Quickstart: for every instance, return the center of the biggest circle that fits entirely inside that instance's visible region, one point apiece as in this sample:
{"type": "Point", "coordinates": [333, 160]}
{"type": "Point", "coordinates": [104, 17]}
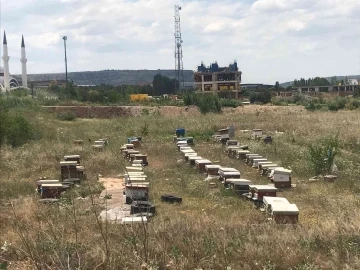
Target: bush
{"type": "Point", "coordinates": [322, 154]}
{"type": "Point", "coordinates": [260, 97]}
{"type": "Point", "coordinates": [66, 116]}
{"type": "Point", "coordinates": [230, 102]}
{"type": "Point", "coordinates": [205, 102]}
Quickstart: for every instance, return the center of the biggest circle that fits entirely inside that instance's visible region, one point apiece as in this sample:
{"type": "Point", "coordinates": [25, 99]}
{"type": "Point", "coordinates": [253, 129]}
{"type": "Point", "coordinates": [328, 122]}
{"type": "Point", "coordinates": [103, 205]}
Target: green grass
{"type": "Point", "coordinates": [212, 228]}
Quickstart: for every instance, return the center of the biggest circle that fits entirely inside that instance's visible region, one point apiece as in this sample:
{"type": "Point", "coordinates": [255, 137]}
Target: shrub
{"type": "Point", "coordinates": [19, 131]}
{"type": "Point", "coordinates": [66, 116]}
{"type": "Point", "coordinates": [230, 102]}
{"type": "Point", "coordinates": [322, 154]}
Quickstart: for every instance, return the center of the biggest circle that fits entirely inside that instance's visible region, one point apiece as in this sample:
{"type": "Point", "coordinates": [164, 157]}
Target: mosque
{"type": "Point", "coordinates": [7, 82]}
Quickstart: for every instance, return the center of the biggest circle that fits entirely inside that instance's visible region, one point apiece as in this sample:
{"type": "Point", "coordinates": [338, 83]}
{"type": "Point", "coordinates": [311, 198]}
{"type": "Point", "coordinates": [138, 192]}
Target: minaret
{"type": "Point", "coordinates": [23, 61]}
{"type": "Point", "coordinates": [6, 65]}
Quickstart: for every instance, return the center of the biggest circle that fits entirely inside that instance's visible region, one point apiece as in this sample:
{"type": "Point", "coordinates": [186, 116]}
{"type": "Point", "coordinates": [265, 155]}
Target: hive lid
{"type": "Point", "coordinates": [211, 166]}
{"type": "Point", "coordinates": [239, 182]}
{"type": "Point", "coordinates": [269, 165]}
{"type": "Point", "coordinates": [52, 185]}
{"type": "Point", "coordinates": [255, 157]}
{"type": "Point", "coordinates": [257, 129]}
{"type": "Point", "coordinates": [190, 154]}
{"type": "Point", "coordinates": [274, 200]}
{"type": "Point", "coordinates": [129, 145]}
{"type": "Point", "coordinates": [251, 154]}
{"type": "Point", "coordinates": [284, 209]}
{"type": "Point", "coordinates": [203, 161]}
{"type": "Point", "coordinates": [226, 169]}
{"type": "Point", "coordinates": [264, 162]}
{"type": "Point", "coordinates": [282, 171]}
{"type": "Point", "coordinates": [136, 186]}
{"type": "Point", "coordinates": [231, 173]}
{"type": "Point", "coordinates": [243, 151]}
{"type": "Point", "coordinates": [47, 181]}
{"type": "Point", "coordinates": [265, 188]}
{"type": "Point", "coordinates": [68, 163]}
{"type": "Point", "coordinates": [129, 220]}
{"type": "Point", "coordinates": [187, 151]}
{"type": "Point", "coordinates": [195, 158]}
{"type": "Point", "coordinates": [71, 156]}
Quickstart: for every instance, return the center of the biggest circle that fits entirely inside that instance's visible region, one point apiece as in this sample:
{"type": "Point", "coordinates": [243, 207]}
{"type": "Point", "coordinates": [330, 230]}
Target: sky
{"type": "Point", "coordinates": [272, 40]}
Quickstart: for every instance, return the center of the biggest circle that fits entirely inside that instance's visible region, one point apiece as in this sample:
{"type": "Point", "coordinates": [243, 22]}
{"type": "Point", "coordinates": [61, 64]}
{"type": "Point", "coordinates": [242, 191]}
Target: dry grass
{"type": "Point", "coordinates": [211, 229]}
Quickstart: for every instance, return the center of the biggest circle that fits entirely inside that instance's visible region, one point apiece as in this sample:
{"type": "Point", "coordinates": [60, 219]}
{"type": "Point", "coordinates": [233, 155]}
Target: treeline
{"type": "Point", "coordinates": [114, 94]}
{"type": "Point", "coordinates": [317, 81]}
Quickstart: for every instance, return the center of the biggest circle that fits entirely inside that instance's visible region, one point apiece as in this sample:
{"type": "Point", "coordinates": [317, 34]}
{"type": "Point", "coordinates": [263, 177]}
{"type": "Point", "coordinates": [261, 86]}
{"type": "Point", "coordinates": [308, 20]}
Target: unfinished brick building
{"type": "Point", "coordinates": [215, 79]}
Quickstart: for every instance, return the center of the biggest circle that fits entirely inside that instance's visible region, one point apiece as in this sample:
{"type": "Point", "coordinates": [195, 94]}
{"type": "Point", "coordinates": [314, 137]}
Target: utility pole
{"type": "Point", "coordinates": [66, 75]}
{"type": "Point", "coordinates": [179, 69]}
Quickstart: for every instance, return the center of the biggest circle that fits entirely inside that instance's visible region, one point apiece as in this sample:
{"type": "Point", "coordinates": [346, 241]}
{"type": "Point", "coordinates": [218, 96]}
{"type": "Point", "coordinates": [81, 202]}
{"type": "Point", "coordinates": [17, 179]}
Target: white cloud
{"type": "Point", "coordinates": [273, 40]}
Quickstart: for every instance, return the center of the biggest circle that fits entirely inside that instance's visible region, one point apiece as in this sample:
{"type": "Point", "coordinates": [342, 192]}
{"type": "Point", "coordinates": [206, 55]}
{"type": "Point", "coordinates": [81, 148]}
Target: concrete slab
{"type": "Point", "coordinates": [116, 207]}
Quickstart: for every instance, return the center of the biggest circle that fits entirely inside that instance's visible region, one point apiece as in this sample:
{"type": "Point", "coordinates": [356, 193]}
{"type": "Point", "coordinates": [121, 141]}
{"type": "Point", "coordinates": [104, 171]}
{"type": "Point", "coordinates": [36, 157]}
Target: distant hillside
{"type": "Point", "coordinates": [112, 77]}
{"type": "Point", "coordinates": [286, 84]}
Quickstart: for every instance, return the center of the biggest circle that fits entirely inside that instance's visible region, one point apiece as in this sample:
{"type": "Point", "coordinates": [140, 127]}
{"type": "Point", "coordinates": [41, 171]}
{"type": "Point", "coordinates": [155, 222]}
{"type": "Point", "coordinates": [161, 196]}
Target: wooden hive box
{"type": "Point", "coordinates": [143, 158]}
{"type": "Point", "coordinates": [181, 144]}
{"type": "Point", "coordinates": [223, 170]}
{"type": "Point", "coordinates": [260, 163]}
{"type": "Point", "coordinates": [187, 155]}
{"type": "Point", "coordinates": [98, 148]}
{"type": "Point", "coordinates": [250, 159]}
{"type": "Point", "coordinates": [200, 164]}
{"type": "Point", "coordinates": [239, 186]}
{"type": "Point", "coordinates": [282, 178]}
{"type": "Point", "coordinates": [52, 191]}
{"type": "Point", "coordinates": [248, 155]}
{"type": "Point", "coordinates": [212, 169]}
{"type": "Point", "coordinates": [72, 158]}
{"type": "Point", "coordinates": [256, 133]}
{"type": "Point", "coordinates": [251, 193]}
{"type": "Point", "coordinates": [285, 213]}
{"type": "Point", "coordinates": [241, 154]}
{"type": "Point", "coordinates": [263, 190]}
{"type": "Point", "coordinates": [41, 182]}
{"type": "Point", "coordinates": [184, 152]}
{"type": "Point", "coordinates": [193, 159]}
{"type": "Point", "coordinates": [129, 152]}
{"type": "Point", "coordinates": [269, 201]}
{"type": "Point", "coordinates": [78, 142]}
{"type": "Point", "coordinates": [232, 143]}
{"type": "Point", "coordinates": [98, 142]}
{"type": "Point", "coordinates": [271, 173]}
{"type": "Point", "coordinates": [255, 161]}
{"type": "Point", "coordinates": [185, 148]}
{"type": "Point", "coordinates": [231, 150]}
{"type": "Point", "coordinates": [264, 168]}
{"type": "Point", "coordinates": [229, 175]}
{"type": "Point", "coordinates": [134, 169]}
{"type": "Point", "coordinates": [68, 169]}
{"type": "Point", "coordinates": [129, 146]}
{"type": "Point", "coordinates": [136, 192]}
{"type": "Point", "coordinates": [80, 172]}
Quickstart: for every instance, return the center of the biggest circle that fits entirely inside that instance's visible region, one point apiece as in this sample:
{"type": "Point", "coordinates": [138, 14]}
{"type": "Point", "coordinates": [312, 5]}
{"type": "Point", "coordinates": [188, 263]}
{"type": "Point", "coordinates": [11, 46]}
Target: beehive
{"type": "Point", "coordinates": [187, 155]}
{"type": "Point", "coordinates": [282, 178]}
{"type": "Point", "coordinates": [129, 146]}
{"type": "Point", "coordinates": [129, 152]}
{"type": "Point", "coordinates": [41, 182]}
{"type": "Point", "coordinates": [98, 148]}
{"type": "Point", "coordinates": [80, 172]}
{"type": "Point", "coordinates": [239, 186]}
{"type": "Point", "coordinates": [99, 142]}
{"type": "Point", "coordinates": [259, 164]}
{"type": "Point", "coordinates": [143, 158]}
{"type": "Point", "coordinates": [180, 132]}
{"type": "Point", "coordinates": [72, 158]}
{"type": "Point", "coordinates": [263, 190]}
{"type": "Point", "coordinates": [136, 192]}
{"type": "Point", "coordinates": [250, 159]}
{"type": "Point", "coordinates": [255, 161]}
{"type": "Point", "coordinates": [192, 160]}
{"type": "Point", "coordinates": [68, 169]}
{"type": "Point", "coordinates": [285, 213]}
{"type": "Point", "coordinates": [200, 164]}
{"type": "Point", "coordinates": [264, 168]}
{"type": "Point", "coordinates": [134, 169]}
{"type": "Point", "coordinates": [52, 191]}
{"type": "Point", "coordinates": [256, 133]}
{"type": "Point", "coordinates": [78, 142]}
{"type": "Point", "coordinates": [241, 154]}
{"type": "Point", "coordinates": [232, 143]}
{"type": "Point", "coordinates": [269, 201]}
{"type": "Point", "coordinates": [212, 169]}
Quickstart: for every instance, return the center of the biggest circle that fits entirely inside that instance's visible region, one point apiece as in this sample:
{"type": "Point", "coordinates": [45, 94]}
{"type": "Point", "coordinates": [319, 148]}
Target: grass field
{"type": "Point", "coordinates": [212, 228]}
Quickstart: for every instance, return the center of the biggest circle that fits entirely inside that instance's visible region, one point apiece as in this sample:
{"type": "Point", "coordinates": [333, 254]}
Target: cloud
{"type": "Point", "coordinates": [272, 40]}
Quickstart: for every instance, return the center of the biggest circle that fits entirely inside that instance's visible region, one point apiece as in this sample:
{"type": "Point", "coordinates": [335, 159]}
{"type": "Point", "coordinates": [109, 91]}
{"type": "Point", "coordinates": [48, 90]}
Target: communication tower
{"type": "Point", "coordinates": [179, 69]}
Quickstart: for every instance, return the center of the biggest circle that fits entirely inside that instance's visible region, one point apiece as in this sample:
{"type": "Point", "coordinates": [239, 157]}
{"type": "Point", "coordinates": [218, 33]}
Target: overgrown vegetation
{"type": "Point", "coordinates": [206, 103]}
{"type": "Point", "coordinates": [262, 97]}
{"type": "Point", "coordinates": [15, 130]}
{"type": "Point", "coordinates": [66, 116]}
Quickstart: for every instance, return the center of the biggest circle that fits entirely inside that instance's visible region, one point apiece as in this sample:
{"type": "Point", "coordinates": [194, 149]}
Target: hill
{"type": "Point", "coordinates": [286, 84]}
{"type": "Point", "coordinates": [112, 77]}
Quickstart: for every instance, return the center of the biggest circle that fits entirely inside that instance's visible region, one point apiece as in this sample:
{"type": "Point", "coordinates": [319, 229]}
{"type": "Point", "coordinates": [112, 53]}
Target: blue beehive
{"type": "Point", "coordinates": [180, 132]}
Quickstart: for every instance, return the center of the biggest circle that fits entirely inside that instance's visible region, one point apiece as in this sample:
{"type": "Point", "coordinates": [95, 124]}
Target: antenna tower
{"type": "Point", "coordinates": [179, 69]}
